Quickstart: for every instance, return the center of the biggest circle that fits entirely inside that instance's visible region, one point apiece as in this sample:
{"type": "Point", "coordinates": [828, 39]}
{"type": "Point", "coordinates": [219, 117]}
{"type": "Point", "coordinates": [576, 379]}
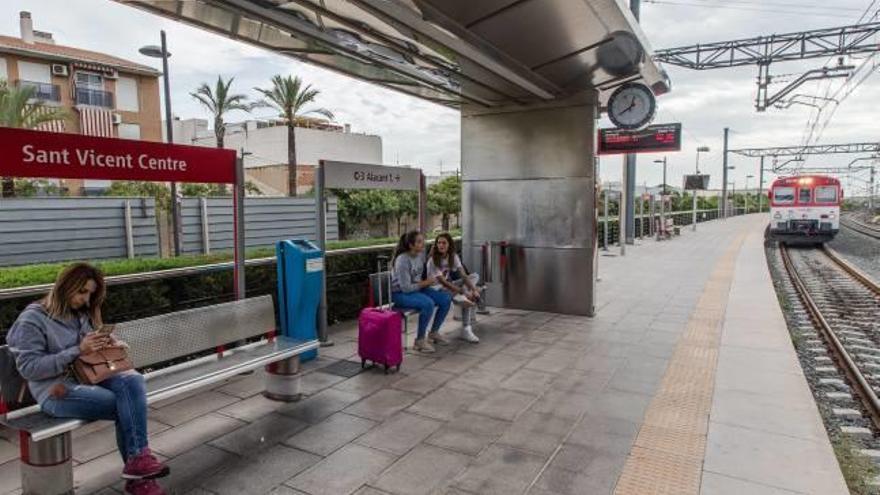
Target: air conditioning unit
{"type": "Point", "coordinates": [59, 70]}
{"type": "Point", "coordinates": [117, 119]}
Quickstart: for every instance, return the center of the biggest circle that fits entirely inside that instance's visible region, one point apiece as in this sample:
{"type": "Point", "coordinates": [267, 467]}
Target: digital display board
{"type": "Point", "coordinates": [696, 182]}
{"type": "Point", "coordinates": [652, 139]}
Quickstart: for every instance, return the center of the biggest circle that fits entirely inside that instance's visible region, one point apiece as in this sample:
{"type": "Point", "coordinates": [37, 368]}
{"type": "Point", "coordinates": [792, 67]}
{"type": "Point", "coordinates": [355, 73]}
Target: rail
{"type": "Point", "coordinates": [865, 391]}
{"type": "Point", "coordinates": [860, 227]}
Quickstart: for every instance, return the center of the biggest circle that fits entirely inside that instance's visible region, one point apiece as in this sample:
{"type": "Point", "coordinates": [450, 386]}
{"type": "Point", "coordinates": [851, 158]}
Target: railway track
{"type": "Point", "coordinates": [844, 306]}
{"type": "Point", "coordinates": [869, 230]}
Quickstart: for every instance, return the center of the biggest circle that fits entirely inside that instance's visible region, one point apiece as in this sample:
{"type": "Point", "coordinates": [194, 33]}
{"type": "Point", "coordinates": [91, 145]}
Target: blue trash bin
{"type": "Point", "coordinates": [300, 275]}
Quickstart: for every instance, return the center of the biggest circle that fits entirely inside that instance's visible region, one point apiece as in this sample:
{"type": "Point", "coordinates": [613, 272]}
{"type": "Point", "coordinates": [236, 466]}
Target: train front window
{"type": "Point", "coordinates": [826, 194]}
{"type": "Point", "coordinates": [783, 195]}
{"type": "Point", "coordinates": [804, 195]}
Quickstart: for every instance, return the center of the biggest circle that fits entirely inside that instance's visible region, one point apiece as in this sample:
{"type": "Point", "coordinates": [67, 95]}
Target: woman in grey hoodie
{"type": "Point", "coordinates": [45, 340]}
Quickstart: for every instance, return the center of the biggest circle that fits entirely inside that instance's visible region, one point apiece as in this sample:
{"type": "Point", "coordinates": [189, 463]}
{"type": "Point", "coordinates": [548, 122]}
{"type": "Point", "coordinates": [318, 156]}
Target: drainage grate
{"type": "Point", "coordinates": [343, 368]}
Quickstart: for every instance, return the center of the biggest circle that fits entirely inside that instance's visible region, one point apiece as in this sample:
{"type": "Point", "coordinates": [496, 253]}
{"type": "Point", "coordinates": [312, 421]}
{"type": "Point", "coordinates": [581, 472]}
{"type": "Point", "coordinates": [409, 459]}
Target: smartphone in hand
{"type": "Point", "coordinates": [105, 329]}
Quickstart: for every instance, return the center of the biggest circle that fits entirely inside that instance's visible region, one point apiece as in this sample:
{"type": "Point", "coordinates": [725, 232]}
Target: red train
{"type": "Point", "coordinates": [805, 209]}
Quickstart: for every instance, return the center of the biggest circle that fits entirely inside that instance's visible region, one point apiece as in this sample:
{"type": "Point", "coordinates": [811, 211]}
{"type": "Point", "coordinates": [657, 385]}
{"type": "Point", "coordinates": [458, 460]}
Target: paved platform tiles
{"type": "Point", "coordinates": [545, 404]}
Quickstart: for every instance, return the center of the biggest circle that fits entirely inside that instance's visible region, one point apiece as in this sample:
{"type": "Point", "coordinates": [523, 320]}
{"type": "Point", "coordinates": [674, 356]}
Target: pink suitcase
{"type": "Point", "coordinates": [379, 334]}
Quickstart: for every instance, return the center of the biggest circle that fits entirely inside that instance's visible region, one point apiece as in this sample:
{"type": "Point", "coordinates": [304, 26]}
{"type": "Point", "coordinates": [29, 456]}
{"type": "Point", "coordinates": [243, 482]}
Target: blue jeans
{"type": "Point", "coordinates": [424, 301]}
{"type": "Point", "coordinates": [121, 398]}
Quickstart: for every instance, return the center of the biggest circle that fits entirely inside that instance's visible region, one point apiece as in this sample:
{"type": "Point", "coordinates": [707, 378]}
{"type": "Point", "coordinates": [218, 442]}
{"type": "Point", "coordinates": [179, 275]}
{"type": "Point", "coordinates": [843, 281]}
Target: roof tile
{"type": "Point", "coordinates": [10, 43]}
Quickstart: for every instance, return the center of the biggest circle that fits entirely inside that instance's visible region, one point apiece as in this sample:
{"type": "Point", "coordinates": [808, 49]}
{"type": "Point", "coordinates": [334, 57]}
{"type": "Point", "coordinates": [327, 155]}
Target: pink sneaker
{"type": "Point", "coordinates": [143, 487]}
{"type": "Point", "coordinates": [144, 465]}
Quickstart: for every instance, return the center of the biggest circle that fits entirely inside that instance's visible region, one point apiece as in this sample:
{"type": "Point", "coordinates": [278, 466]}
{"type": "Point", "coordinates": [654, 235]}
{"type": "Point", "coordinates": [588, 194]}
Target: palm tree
{"type": "Point", "coordinates": [289, 97]}
{"type": "Point", "coordinates": [218, 101]}
{"type": "Point", "coordinates": [19, 108]}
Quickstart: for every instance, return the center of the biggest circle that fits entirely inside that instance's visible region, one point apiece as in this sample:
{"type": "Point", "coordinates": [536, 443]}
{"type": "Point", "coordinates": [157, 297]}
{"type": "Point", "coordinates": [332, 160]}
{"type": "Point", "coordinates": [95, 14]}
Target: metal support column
{"type": "Point", "coordinates": [630, 199]}
{"type": "Point", "coordinates": [238, 195]}
{"type": "Point", "coordinates": [605, 220]}
{"type": "Point", "coordinates": [761, 186]}
{"type": "Point", "coordinates": [627, 225]}
{"type": "Point", "coordinates": [872, 190]}
{"type": "Point", "coordinates": [622, 201]}
{"type": "Point", "coordinates": [321, 237]}
{"type": "Point", "coordinates": [724, 211]}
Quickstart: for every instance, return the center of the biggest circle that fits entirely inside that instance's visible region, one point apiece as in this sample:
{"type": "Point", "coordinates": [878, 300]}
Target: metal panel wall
{"type": "Point", "coordinates": [529, 181]}
{"type": "Point", "coordinates": [266, 221]}
{"type": "Point", "coordinates": [41, 230]}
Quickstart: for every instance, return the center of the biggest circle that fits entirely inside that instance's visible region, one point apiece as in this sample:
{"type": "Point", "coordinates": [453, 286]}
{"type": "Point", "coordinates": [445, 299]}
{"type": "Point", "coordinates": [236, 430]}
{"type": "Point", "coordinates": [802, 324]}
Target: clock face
{"type": "Point", "coordinates": [631, 106]}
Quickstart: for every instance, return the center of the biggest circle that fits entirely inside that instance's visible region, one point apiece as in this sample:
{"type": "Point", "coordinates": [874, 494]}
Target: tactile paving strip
{"type": "Point", "coordinates": [667, 457]}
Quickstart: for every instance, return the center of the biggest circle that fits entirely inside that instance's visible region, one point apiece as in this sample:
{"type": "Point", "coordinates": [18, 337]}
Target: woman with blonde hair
{"type": "Point", "coordinates": [46, 339]}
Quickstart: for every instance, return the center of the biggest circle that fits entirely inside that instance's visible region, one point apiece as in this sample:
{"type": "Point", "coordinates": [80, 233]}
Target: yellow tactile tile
{"type": "Point", "coordinates": [667, 457]}
{"type": "Point", "coordinates": [660, 473]}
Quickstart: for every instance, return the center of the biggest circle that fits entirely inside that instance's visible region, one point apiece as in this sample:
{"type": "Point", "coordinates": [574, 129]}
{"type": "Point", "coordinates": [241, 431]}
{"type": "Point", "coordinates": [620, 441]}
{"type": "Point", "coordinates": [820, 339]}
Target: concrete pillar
{"type": "Point", "coordinates": [529, 188]}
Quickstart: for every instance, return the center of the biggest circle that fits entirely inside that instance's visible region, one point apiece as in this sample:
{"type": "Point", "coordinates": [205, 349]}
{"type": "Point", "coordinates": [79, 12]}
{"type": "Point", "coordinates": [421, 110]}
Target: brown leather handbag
{"type": "Point", "coordinates": [94, 368]}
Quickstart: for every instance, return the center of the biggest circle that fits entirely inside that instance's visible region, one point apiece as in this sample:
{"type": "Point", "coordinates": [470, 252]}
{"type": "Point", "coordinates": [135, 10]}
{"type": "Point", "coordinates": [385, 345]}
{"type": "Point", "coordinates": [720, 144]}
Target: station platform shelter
{"type": "Point", "coordinates": [685, 382]}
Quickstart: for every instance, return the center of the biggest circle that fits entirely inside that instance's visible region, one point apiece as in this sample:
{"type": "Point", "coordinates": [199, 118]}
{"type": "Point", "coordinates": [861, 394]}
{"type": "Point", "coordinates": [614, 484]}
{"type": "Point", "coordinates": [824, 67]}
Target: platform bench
{"type": "Point", "coordinates": [46, 441]}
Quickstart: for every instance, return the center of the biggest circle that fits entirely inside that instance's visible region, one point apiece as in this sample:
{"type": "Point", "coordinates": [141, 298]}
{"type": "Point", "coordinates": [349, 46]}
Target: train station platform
{"type": "Point", "coordinates": [684, 383]}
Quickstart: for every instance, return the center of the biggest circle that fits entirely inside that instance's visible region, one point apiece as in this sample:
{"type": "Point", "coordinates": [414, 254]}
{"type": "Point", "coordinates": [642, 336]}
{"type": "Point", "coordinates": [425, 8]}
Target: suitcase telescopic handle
{"type": "Point", "coordinates": [379, 261]}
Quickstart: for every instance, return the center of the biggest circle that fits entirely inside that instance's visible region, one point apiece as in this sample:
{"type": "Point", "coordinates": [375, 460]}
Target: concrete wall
{"type": "Point", "coordinates": [41, 230]}
{"type": "Point", "coordinates": [269, 146]}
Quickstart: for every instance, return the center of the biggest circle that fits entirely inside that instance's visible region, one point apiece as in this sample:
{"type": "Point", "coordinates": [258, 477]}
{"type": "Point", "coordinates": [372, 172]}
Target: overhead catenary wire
{"type": "Point", "coordinates": [812, 130]}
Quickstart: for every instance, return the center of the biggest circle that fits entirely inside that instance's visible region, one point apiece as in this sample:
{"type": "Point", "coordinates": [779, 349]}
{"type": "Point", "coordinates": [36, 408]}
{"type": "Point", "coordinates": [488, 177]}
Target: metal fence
{"type": "Point", "coordinates": [206, 223]}
{"type": "Point", "coordinates": [41, 230]}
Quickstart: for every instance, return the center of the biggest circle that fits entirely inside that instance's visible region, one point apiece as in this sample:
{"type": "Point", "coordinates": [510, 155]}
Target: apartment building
{"type": "Point", "coordinates": [105, 96]}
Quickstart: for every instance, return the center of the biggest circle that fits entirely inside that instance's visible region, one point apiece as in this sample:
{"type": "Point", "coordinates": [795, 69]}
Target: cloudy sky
{"type": "Point", "coordinates": [424, 134]}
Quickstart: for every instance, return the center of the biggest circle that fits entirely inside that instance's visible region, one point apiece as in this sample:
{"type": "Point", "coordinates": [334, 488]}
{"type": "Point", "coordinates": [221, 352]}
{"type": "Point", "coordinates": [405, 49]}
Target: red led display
{"type": "Point", "coordinates": [652, 139]}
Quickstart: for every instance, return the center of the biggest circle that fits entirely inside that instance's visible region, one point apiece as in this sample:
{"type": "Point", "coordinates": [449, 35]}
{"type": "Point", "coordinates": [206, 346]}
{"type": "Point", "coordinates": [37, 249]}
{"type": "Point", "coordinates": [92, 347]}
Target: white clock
{"type": "Point", "coordinates": [632, 106]}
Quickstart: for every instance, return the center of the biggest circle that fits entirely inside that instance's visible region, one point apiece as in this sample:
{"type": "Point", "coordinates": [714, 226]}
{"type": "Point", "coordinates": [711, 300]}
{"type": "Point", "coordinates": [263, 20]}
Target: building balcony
{"type": "Point", "coordinates": [43, 91]}
{"type": "Point", "coordinates": [94, 97]}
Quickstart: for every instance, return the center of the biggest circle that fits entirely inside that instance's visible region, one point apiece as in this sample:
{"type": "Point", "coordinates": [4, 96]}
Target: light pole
{"type": "Point", "coordinates": [700, 149]}
{"type": "Point", "coordinates": [662, 200]}
{"type": "Point", "coordinates": [747, 192]}
{"type": "Point", "coordinates": [162, 52]}
{"type": "Point", "coordinates": [732, 194]}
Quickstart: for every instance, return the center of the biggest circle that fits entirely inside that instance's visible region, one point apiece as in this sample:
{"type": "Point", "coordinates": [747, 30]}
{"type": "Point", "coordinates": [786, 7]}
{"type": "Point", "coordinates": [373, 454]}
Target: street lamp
{"type": "Point", "coordinates": [747, 192]}
{"type": "Point", "coordinates": [162, 52]}
{"type": "Point", "coordinates": [700, 149]}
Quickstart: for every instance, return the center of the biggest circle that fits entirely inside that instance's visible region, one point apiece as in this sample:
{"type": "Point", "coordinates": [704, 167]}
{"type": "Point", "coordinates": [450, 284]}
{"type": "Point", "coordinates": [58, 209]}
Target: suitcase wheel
{"type": "Point", "coordinates": [398, 368]}
{"type": "Point", "coordinates": [386, 369]}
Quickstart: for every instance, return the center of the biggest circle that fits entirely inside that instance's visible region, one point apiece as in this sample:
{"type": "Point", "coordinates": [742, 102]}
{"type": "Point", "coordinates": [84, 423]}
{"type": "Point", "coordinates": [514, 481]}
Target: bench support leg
{"type": "Point", "coordinates": [47, 465]}
{"type": "Point", "coordinates": [282, 380]}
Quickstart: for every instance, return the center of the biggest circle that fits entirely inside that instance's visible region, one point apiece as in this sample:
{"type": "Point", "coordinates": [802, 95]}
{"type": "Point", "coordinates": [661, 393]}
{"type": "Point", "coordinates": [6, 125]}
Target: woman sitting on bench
{"type": "Point", "coordinates": [45, 340]}
{"type": "Point", "coordinates": [445, 266]}
{"type": "Point", "coordinates": [408, 290]}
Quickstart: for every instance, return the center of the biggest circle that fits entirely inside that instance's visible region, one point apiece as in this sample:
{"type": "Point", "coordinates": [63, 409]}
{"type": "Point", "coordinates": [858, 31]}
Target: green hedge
{"type": "Point", "coordinates": [22, 276]}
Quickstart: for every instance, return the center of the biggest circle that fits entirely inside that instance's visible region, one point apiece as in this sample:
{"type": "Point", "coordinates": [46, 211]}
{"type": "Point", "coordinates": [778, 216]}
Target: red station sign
{"type": "Point", "coordinates": [27, 153]}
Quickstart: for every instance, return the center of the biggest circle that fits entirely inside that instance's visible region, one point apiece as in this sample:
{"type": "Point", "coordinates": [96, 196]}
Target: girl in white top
{"type": "Point", "coordinates": [445, 267]}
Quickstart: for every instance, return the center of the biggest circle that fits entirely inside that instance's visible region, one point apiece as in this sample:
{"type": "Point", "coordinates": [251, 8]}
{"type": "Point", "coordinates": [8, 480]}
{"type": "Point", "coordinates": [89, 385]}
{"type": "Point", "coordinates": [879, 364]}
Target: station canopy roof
{"type": "Point", "coordinates": [452, 52]}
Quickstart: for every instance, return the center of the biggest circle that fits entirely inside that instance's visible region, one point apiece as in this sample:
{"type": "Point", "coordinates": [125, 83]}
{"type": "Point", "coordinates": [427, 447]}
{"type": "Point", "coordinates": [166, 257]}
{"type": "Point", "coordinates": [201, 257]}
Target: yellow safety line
{"type": "Point", "coordinates": [667, 457]}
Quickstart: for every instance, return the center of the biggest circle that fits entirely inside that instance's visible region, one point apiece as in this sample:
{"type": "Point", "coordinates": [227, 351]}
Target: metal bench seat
{"type": "Point", "coordinates": [46, 463]}
{"type": "Point", "coordinates": [173, 381]}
